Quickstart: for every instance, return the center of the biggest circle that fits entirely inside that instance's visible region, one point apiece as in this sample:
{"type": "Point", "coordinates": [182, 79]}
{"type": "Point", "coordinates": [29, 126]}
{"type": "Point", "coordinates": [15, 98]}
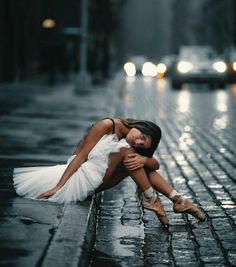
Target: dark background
{"type": "Point", "coordinates": [117, 30]}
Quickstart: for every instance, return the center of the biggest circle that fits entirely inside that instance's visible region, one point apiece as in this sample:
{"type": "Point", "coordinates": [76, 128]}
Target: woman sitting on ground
{"type": "Point", "coordinates": [111, 150]}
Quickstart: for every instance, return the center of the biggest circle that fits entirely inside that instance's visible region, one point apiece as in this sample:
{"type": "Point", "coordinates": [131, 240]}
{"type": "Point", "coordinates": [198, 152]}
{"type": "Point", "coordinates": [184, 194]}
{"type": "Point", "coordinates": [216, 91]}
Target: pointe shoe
{"type": "Point", "coordinates": [183, 205]}
{"type": "Point", "coordinates": [156, 206]}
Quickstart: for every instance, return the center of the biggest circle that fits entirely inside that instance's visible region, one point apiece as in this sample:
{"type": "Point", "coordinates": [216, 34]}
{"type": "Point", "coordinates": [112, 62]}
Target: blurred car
{"type": "Point", "coordinates": [139, 65]}
{"type": "Point", "coordinates": [198, 64]}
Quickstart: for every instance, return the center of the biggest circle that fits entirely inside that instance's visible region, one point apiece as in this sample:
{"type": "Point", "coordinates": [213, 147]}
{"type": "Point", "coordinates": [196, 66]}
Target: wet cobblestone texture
{"type": "Point", "coordinates": [40, 125]}
{"type": "Point", "coordinates": [197, 156]}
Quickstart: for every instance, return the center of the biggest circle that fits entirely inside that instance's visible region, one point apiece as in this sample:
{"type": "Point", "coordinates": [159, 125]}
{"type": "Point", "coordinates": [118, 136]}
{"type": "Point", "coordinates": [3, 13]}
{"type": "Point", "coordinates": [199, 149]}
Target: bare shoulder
{"type": "Point", "coordinates": [95, 133]}
{"type": "Point", "coordinates": [104, 126]}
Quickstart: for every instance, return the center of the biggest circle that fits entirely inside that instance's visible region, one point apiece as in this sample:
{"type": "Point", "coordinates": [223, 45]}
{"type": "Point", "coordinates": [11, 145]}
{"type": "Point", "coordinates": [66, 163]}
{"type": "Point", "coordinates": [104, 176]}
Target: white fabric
{"type": "Point", "coordinates": [30, 182]}
{"type": "Point", "coordinates": [149, 193]}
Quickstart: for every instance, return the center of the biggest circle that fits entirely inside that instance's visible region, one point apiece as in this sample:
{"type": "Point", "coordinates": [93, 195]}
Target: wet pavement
{"type": "Point", "coordinates": [197, 156]}
{"type": "Point", "coordinates": [41, 125]}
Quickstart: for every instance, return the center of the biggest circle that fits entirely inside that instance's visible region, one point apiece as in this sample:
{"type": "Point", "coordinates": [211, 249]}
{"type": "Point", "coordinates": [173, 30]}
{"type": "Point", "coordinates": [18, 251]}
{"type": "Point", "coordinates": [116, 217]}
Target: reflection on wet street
{"type": "Point", "coordinates": [43, 131]}
{"type": "Point", "coordinates": [197, 156]}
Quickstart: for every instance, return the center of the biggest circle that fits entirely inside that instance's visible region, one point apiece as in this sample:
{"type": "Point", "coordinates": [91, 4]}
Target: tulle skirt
{"type": "Point", "coordinates": [30, 182]}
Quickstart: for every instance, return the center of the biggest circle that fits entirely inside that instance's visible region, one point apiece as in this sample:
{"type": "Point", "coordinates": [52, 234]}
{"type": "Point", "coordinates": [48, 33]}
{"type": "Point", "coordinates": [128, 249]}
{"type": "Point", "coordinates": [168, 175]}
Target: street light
{"type": "Point", "coordinates": [49, 24]}
{"type": "Point", "coordinates": [83, 80]}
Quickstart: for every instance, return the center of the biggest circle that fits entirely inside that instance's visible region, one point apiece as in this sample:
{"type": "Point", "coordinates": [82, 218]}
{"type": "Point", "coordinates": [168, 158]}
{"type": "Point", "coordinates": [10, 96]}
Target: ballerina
{"type": "Point", "coordinates": [111, 150]}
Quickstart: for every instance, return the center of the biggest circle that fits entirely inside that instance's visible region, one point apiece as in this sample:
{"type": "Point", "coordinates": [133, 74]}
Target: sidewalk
{"type": "Point", "coordinates": [41, 125]}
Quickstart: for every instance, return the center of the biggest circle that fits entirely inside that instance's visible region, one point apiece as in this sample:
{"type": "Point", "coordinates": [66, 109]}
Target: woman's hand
{"type": "Point", "coordinates": [135, 161]}
{"type": "Point", "coordinates": [49, 193]}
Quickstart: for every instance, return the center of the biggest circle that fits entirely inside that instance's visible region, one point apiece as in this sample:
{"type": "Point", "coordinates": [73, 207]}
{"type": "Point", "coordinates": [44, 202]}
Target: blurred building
{"type": "Point", "coordinates": [145, 28]}
{"type": "Point", "coordinates": [43, 37]}
{"type": "Point", "coordinates": [219, 18]}
{"type": "Point", "coordinates": [103, 46]}
{"type": "Point", "coordinates": [158, 27]}
{"type": "Point", "coordinates": [19, 31]}
{"type": "Point", "coordinates": [205, 22]}
{"type": "Point", "coordinates": [186, 23]}
{"type": "Point", "coordinates": [30, 38]}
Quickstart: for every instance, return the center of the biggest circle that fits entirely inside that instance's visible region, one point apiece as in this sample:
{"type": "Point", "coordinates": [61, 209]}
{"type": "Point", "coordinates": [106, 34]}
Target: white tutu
{"type": "Point", "coordinates": [30, 182]}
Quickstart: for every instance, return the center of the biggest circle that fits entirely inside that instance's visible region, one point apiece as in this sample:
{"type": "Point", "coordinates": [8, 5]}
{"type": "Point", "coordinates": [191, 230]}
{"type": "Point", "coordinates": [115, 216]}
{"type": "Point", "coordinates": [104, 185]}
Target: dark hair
{"type": "Point", "coordinates": [148, 128]}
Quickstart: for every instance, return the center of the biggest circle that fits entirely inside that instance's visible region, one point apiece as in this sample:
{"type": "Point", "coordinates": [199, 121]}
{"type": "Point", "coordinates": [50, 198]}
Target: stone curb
{"type": "Point", "coordinates": [73, 241]}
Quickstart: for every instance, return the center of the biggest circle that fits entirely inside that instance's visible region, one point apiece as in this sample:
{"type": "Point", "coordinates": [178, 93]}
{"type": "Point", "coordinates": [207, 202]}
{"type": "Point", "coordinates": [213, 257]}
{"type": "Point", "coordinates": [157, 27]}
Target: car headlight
{"type": "Point", "coordinates": [184, 66]}
{"type": "Point", "coordinates": [149, 69]}
{"type": "Point", "coordinates": [234, 66]}
{"type": "Point", "coordinates": [220, 66]}
{"type": "Point", "coordinates": [161, 68]}
{"type": "Point", "coordinates": [130, 69]}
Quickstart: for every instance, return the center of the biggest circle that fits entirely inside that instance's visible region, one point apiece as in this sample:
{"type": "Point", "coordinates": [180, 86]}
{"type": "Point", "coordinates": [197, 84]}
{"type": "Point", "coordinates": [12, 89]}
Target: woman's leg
{"type": "Point", "coordinates": [116, 178]}
{"type": "Point", "coordinates": [160, 184]}
{"type": "Point", "coordinates": [139, 176]}
{"type": "Point", "coordinates": [181, 204]}
{"type": "Point", "coordinates": [115, 172]}
{"type": "Point", "coordinates": [111, 178]}
{"type": "Point", "coordinates": [151, 201]}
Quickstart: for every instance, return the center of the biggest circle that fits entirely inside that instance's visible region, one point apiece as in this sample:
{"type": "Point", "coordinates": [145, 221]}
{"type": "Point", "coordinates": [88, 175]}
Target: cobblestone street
{"type": "Point", "coordinates": [138, 95]}
{"type": "Point", "coordinates": [197, 156]}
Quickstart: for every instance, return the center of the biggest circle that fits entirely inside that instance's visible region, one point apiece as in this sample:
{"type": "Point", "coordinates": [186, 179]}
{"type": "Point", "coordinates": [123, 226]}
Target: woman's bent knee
{"type": "Point", "coordinates": [126, 152]}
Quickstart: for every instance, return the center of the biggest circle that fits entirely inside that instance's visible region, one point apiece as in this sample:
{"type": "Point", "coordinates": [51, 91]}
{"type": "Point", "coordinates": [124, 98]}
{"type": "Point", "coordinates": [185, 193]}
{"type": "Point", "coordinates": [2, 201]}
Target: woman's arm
{"type": "Point", "coordinates": [136, 161]}
{"type": "Point", "coordinates": [95, 134]}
